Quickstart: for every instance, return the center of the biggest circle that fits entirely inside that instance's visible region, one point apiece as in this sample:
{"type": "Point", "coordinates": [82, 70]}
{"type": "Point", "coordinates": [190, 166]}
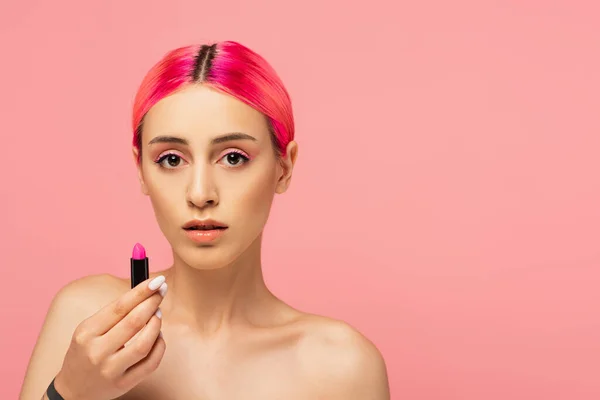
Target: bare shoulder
{"type": "Point", "coordinates": [86, 295]}
{"type": "Point", "coordinates": [344, 363]}
{"type": "Point", "coordinates": [72, 304]}
{"type": "Point", "coordinates": [81, 298]}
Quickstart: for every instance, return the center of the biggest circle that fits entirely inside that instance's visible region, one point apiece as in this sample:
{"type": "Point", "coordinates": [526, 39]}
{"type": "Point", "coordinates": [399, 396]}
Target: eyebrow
{"type": "Point", "coordinates": [219, 139]}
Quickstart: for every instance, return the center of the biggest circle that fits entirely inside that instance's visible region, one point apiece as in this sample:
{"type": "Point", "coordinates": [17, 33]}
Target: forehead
{"type": "Point", "coordinates": [200, 110]}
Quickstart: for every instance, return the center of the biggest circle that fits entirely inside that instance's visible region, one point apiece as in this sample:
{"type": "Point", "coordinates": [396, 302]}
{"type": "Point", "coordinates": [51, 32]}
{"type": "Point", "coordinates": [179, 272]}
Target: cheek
{"type": "Point", "coordinates": [163, 196]}
{"type": "Point", "coordinates": [253, 199]}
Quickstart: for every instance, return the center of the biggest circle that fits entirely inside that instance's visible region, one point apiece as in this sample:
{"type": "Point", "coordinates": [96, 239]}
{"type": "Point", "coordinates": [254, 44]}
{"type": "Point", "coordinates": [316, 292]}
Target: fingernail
{"type": "Point", "coordinates": [156, 282]}
{"type": "Point", "coordinates": [163, 289]}
{"type": "Point", "coordinates": [158, 313]}
{"type": "Point", "coordinates": [160, 334]}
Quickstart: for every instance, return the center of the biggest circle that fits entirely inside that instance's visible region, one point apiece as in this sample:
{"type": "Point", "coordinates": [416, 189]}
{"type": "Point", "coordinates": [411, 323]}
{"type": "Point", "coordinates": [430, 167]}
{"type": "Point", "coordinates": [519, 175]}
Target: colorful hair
{"type": "Point", "coordinates": [225, 66]}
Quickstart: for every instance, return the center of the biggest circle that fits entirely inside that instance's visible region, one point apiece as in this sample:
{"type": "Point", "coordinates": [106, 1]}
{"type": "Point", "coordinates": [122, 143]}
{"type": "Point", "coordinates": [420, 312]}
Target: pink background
{"type": "Point", "coordinates": [445, 202]}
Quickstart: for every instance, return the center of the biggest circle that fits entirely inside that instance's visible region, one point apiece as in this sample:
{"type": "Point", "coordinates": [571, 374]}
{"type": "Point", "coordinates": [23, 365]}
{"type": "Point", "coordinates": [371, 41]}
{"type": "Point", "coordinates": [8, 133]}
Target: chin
{"type": "Point", "coordinates": [204, 257]}
{"type": "Point", "coordinates": [216, 254]}
{"type": "Point", "coordinates": [208, 257]}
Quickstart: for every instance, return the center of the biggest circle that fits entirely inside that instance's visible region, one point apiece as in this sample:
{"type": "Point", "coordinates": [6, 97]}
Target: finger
{"type": "Point", "coordinates": [109, 316]}
{"type": "Point", "coordinates": [138, 348]}
{"type": "Point", "coordinates": [142, 369]}
{"type": "Point", "coordinates": [137, 362]}
{"type": "Point", "coordinates": [133, 324]}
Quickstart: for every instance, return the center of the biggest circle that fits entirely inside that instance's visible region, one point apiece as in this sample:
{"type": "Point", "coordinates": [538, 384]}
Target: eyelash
{"type": "Point", "coordinates": [245, 158]}
{"type": "Point", "coordinates": [163, 157]}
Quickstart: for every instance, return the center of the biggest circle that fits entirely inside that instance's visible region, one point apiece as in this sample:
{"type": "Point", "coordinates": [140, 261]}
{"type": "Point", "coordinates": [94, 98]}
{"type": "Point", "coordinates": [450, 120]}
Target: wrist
{"type": "Point", "coordinates": [61, 386]}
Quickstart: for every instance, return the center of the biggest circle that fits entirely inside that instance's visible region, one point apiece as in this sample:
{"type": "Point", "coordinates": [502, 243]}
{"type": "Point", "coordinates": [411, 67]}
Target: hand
{"type": "Point", "coordinates": [116, 348]}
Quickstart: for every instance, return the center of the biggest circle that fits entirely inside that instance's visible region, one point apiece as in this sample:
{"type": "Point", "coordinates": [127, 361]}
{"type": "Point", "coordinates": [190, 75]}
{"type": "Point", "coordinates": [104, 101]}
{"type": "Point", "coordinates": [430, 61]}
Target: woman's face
{"type": "Point", "coordinates": [207, 155]}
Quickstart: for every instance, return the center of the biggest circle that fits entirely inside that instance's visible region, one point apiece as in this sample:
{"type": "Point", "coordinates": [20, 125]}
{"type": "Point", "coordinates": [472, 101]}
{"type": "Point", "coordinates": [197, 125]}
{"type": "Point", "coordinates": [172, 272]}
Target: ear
{"type": "Point", "coordinates": [287, 166]}
{"type": "Point", "coordinates": [138, 164]}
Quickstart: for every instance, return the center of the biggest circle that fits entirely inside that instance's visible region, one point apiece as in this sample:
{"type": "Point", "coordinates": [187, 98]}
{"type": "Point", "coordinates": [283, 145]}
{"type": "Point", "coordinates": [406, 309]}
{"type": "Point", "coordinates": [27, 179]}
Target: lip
{"type": "Point", "coordinates": [203, 222]}
{"type": "Point", "coordinates": [204, 235]}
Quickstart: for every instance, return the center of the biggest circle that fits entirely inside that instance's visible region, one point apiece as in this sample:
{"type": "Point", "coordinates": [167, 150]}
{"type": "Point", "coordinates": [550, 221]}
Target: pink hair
{"type": "Point", "coordinates": [225, 66]}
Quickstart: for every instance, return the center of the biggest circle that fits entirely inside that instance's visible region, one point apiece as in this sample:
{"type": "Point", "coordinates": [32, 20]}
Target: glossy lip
{"type": "Point", "coordinates": [203, 222]}
{"type": "Point", "coordinates": [204, 236]}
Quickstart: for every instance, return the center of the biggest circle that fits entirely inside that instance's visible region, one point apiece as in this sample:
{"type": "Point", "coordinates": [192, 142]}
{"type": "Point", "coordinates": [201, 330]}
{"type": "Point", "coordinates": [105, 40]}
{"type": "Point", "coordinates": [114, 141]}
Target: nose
{"type": "Point", "coordinates": [202, 191]}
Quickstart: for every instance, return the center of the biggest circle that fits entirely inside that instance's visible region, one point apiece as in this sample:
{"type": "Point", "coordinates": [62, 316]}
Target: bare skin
{"type": "Point", "coordinates": [225, 335]}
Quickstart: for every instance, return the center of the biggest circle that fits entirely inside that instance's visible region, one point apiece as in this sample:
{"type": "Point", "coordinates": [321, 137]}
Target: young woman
{"type": "Point", "coordinates": [213, 142]}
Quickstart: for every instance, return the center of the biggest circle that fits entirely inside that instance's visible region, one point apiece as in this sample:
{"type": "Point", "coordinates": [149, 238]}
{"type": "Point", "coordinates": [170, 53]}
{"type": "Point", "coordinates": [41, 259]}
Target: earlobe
{"type": "Point", "coordinates": [138, 164]}
{"type": "Point", "coordinates": [287, 166]}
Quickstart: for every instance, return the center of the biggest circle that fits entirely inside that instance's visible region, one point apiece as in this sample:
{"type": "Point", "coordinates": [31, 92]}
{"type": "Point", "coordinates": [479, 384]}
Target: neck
{"type": "Point", "coordinates": [209, 301]}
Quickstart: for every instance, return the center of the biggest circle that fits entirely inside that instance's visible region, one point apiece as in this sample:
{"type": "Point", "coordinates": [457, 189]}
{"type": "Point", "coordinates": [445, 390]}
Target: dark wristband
{"type": "Point", "coordinates": [52, 393]}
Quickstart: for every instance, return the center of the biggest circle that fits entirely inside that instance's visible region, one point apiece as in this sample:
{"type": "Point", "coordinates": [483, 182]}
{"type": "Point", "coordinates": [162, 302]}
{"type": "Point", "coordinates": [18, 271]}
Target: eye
{"type": "Point", "coordinates": [169, 161]}
{"type": "Point", "coordinates": [235, 158]}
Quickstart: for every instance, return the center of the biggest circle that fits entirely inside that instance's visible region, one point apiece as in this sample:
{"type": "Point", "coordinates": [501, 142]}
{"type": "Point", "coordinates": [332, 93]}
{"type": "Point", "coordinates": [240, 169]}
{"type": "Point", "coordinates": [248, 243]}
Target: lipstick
{"type": "Point", "coordinates": [139, 265]}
